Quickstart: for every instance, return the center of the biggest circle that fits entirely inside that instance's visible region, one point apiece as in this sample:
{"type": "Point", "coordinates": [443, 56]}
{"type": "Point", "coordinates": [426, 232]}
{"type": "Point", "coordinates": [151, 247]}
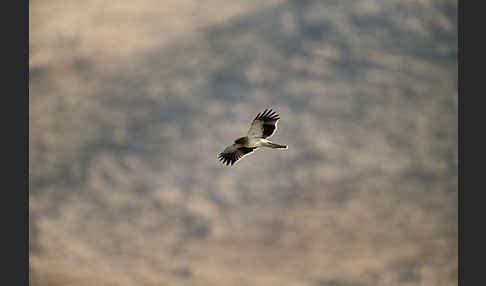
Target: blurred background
{"type": "Point", "coordinates": [131, 101]}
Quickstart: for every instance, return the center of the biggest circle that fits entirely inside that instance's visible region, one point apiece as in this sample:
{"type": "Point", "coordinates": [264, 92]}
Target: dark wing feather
{"type": "Point", "coordinates": [264, 124]}
{"type": "Point", "coordinates": [232, 154]}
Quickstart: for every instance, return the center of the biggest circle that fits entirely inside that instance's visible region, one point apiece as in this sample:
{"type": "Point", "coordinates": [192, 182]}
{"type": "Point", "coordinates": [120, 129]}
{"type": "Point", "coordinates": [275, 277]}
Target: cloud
{"type": "Point", "coordinates": [130, 104]}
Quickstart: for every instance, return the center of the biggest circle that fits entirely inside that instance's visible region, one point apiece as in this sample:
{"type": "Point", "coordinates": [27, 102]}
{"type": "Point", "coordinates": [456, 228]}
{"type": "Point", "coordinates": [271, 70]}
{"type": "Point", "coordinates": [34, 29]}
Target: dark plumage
{"type": "Point", "coordinates": [268, 118]}
{"type": "Point", "coordinates": [242, 140]}
{"type": "Point", "coordinates": [231, 158]}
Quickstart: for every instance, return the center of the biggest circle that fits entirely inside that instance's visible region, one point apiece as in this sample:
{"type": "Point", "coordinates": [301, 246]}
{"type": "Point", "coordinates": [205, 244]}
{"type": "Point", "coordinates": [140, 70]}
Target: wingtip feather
{"type": "Point", "coordinates": [267, 114]}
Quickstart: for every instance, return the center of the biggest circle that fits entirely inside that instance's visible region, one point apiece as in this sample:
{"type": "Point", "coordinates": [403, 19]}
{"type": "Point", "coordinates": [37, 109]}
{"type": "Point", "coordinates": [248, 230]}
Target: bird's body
{"type": "Point", "coordinates": [262, 127]}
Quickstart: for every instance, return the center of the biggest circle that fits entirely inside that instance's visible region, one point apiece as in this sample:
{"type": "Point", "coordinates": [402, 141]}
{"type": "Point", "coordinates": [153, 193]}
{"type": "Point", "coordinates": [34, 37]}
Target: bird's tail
{"type": "Point", "coordinates": [276, 146]}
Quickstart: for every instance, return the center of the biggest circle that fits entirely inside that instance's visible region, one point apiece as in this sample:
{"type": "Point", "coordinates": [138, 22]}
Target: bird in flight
{"type": "Point", "coordinates": [262, 127]}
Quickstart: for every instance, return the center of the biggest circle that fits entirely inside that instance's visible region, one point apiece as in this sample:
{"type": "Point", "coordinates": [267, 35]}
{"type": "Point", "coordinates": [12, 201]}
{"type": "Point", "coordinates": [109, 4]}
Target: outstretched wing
{"type": "Point", "coordinates": [233, 153]}
{"type": "Point", "coordinates": [264, 124]}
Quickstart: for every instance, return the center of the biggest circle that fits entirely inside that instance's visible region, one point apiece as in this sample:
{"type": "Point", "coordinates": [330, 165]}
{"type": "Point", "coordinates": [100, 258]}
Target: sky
{"type": "Point", "coordinates": [131, 102]}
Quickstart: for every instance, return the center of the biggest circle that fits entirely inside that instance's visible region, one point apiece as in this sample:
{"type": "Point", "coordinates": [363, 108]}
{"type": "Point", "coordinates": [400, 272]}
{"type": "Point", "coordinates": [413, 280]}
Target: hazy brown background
{"type": "Point", "coordinates": [131, 101]}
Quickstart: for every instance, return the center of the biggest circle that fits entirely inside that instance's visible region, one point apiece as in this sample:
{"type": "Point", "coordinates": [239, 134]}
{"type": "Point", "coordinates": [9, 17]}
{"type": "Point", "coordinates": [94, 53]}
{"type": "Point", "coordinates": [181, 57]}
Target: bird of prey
{"type": "Point", "coordinates": [262, 127]}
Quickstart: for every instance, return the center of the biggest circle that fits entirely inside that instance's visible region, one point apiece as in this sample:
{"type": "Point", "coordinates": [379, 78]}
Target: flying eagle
{"type": "Point", "coordinates": [262, 127]}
